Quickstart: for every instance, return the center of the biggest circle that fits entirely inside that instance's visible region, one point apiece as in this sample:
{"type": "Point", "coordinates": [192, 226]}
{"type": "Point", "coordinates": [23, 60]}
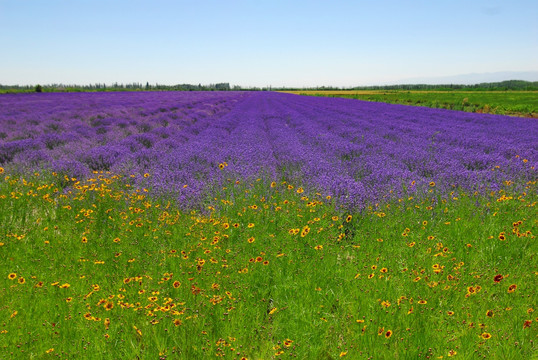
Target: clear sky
{"type": "Point", "coordinates": [262, 42]}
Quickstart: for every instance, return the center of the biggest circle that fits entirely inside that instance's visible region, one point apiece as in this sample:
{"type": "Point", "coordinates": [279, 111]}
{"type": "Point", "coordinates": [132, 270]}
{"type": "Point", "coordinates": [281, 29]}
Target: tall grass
{"type": "Point", "coordinates": [101, 270]}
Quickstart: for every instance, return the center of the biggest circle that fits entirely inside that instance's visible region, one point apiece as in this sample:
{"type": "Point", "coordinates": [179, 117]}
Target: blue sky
{"type": "Point", "coordinates": [261, 43]}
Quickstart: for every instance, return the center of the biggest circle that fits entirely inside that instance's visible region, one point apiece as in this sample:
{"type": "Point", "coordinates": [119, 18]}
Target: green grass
{"type": "Point", "coordinates": [179, 284]}
{"type": "Point", "coordinates": [519, 103]}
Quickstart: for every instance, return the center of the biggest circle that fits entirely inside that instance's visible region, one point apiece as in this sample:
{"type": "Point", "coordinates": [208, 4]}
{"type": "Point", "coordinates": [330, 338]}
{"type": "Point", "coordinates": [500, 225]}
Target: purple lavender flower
{"type": "Point", "coordinates": [357, 152]}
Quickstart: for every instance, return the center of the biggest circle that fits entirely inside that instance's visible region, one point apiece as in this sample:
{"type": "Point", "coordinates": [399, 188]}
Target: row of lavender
{"type": "Point", "coordinates": [76, 133]}
{"type": "Point", "coordinates": [355, 151]}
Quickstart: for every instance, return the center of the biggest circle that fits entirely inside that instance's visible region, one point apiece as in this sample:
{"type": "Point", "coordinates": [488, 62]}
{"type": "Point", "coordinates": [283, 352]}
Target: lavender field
{"type": "Point", "coordinates": [260, 225]}
{"type": "Point", "coordinates": [356, 152]}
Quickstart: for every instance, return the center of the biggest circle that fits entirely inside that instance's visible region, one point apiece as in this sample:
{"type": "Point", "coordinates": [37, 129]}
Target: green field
{"type": "Point", "coordinates": [99, 270]}
{"type": "Point", "coordinates": [518, 103]}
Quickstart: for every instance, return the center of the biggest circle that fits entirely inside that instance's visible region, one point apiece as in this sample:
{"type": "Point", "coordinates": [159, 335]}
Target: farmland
{"type": "Point", "coordinates": [515, 103]}
{"type": "Point", "coordinates": [264, 225]}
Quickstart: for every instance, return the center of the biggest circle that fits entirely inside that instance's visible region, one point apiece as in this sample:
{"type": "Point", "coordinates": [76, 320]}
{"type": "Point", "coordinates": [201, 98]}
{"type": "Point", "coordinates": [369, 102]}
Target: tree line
{"type": "Point", "coordinates": [117, 87]}
{"type": "Point", "coordinates": [491, 86]}
{"type": "Point", "coordinates": [497, 86]}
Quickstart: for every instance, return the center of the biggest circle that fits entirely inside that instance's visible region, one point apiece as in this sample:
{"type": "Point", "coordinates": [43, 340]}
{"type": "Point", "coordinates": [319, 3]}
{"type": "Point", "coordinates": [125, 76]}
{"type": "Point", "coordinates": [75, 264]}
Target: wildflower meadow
{"type": "Point", "coordinates": [261, 225]}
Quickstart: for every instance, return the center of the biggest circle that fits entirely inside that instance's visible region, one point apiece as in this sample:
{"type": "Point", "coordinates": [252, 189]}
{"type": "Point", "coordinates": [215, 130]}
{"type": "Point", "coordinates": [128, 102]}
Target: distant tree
{"type": "Point", "coordinates": [39, 88]}
{"type": "Point", "coordinates": [222, 86]}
